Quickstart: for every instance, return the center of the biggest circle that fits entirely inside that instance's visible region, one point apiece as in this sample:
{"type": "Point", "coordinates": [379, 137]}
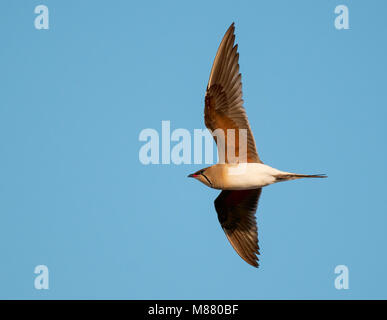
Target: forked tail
{"type": "Point", "coordinates": [293, 176]}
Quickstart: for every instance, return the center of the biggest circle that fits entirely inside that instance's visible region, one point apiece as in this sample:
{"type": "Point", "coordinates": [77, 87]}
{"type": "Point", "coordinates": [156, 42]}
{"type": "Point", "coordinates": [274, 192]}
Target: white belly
{"type": "Point", "coordinates": [245, 176]}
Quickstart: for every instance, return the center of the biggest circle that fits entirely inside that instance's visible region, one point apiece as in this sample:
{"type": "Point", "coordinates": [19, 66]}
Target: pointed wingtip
{"type": "Point", "coordinates": [232, 27]}
{"type": "Point", "coordinates": [253, 263]}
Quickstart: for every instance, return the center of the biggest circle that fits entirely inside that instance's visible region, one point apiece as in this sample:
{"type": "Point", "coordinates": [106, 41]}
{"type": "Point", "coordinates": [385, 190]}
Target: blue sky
{"type": "Point", "coordinates": [75, 197]}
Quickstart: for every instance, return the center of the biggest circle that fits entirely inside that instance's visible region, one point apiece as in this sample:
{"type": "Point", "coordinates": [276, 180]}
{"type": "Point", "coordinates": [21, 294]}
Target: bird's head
{"type": "Point", "coordinates": [203, 176]}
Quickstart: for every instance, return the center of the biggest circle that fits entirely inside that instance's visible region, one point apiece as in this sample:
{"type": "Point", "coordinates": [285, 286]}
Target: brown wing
{"type": "Point", "coordinates": [223, 102]}
{"type": "Point", "coordinates": [236, 213]}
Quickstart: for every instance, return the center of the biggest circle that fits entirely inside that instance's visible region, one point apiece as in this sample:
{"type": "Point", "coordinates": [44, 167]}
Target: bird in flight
{"type": "Point", "coordinates": [240, 173]}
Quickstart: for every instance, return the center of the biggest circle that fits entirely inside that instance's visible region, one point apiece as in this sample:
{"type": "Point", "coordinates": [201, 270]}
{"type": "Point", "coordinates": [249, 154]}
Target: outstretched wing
{"type": "Point", "coordinates": [236, 213]}
{"type": "Point", "coordinates": [223, 102]}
